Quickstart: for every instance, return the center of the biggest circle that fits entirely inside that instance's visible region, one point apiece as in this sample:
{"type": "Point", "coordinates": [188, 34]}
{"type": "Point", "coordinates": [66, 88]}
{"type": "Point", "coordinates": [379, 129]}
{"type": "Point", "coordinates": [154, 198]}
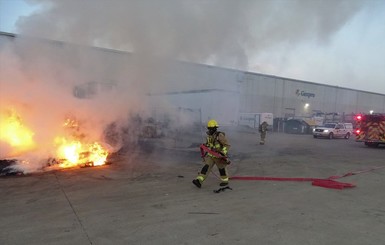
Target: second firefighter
{"type": "Point", "coordinates": [262, 131]}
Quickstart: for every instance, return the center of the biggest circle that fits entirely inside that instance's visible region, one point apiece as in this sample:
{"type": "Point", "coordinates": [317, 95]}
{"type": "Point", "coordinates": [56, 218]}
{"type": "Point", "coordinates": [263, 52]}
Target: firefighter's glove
{"type": "Point", "coordinates": [227, 161]}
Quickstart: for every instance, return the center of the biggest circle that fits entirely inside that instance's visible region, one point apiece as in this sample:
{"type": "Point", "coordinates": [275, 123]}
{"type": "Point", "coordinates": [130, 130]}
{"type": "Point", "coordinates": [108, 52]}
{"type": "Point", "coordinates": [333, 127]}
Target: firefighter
{"type": "Point", "coordinates": [262, 131]}
{"type": "Point", "coordinates": [217, 142]}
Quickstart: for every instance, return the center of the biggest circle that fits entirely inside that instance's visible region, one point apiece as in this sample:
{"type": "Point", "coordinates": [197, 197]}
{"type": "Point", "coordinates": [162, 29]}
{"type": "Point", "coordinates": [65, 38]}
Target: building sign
{"type": "Point", "coordinates": [304, 94]}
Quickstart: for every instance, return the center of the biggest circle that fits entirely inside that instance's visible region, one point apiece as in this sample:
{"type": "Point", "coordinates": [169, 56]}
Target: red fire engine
{"type": "Point", "coordinates": [370, 128]}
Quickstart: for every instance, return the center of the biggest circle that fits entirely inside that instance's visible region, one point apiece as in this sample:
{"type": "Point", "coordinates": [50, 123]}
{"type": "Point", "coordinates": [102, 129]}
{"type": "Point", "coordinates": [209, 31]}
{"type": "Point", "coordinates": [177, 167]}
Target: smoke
{"type": "Point", "coordinates": [190, 30]}
{"type": "Point", "coordinates": [222, 32]}
{"type": "Point", "coordinates": [39, 79]}
{"type": "Point", "coordinates": [275, 37]}
{"type": "Point", "coordinates": [37, 90]}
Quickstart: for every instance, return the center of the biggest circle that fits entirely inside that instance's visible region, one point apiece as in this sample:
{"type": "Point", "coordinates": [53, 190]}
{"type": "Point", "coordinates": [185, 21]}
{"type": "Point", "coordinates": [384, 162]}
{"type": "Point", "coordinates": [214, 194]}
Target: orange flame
{"type": "Point", "coordinates": [75, 153]}
{"type": "Point", "coordinates": [71, 150]}
{"type": "Point", "coordinates": [15, 134]}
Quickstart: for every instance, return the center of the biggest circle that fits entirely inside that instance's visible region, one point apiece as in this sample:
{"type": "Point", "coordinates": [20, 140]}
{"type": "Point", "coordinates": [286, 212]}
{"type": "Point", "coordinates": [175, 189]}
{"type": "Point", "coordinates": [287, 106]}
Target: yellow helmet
{"type": "Point", "coordinates": [212, 124]}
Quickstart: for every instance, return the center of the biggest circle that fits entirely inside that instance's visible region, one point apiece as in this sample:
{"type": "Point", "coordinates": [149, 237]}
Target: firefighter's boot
{"type": "Point", "coordinates": [197, 183]}
{"type": "Point", "coordinates": [224, 177]}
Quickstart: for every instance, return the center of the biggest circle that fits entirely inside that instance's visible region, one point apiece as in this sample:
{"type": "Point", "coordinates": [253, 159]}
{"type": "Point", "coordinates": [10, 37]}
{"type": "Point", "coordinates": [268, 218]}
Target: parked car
{"type": "Point", "coordinates": [333, 130]}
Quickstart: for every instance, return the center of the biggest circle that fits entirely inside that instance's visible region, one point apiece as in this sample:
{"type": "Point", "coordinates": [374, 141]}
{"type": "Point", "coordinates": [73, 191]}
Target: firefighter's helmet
{"type": "Point", "coordinates": [212, 124]}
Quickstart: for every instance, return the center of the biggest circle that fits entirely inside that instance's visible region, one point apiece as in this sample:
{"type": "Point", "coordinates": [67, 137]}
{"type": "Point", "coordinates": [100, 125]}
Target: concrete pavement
{"type": "Point", "coordinates": [148, 197]}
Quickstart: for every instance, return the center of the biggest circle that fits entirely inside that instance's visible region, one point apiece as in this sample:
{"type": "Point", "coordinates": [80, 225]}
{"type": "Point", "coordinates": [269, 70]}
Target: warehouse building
{"type": "Point", "coordinates": [225, 94]}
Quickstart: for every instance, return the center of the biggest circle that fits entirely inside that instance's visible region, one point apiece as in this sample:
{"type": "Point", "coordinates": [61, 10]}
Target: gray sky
{"type": "Point", "coordinates": [335, 42]}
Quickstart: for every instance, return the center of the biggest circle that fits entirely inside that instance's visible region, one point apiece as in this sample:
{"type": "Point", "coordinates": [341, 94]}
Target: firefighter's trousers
{"type": "Point", "coordinates": [209, 162]}
{"type": "Point", "coordinates": [263, 137]}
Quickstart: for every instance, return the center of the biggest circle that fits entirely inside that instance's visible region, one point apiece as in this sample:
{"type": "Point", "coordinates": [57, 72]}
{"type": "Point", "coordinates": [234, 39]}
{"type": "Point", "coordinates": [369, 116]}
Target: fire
{"type": "Point", "coordinates": [15, 134]}
{"type": "Point", "coordinates": [98, 155]}
{"type": "Point", "coordinates": [71, 123]}
{"type": "Point", "coordinates": [77, 152]}
{"type": "Point", "coordinates": [69, 151]}
{"type": "Point", "coordinates": [74, 153]}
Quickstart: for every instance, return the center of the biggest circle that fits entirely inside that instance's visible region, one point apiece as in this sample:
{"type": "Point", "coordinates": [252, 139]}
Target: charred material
{"type": "Point", "coordinates": [6, 168]}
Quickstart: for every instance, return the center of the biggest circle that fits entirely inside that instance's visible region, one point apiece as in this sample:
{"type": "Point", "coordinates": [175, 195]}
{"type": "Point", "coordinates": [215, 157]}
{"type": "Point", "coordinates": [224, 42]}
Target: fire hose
{"type": "Point", "coordinates": [326, 183]}
{"type": "Point", "coordinates": [205, 149]}
{"type": "Point", "coordinates": [329, 182]}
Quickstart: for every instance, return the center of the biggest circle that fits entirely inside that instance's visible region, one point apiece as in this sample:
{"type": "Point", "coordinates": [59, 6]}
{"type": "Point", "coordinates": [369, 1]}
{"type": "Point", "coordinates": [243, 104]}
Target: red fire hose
{"type": "Point", "coordinates": [204, 149]}
{"type": "Point", "coordinates": [327, 183]}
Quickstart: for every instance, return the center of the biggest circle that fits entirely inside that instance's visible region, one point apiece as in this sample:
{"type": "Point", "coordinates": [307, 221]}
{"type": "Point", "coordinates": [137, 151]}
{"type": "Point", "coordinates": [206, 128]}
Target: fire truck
{"type": "Point", "coordinates": [370, 129]}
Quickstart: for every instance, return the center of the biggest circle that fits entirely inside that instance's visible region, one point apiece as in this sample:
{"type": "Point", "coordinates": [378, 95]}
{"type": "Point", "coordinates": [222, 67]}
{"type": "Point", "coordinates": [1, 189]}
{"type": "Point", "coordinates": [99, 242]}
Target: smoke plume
{"type": "Point", "coordinates": [38, 80]}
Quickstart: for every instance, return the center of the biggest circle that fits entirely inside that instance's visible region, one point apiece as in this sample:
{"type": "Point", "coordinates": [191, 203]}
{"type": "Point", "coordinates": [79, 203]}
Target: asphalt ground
{"type": "Point", "coordinates": [145, 196]}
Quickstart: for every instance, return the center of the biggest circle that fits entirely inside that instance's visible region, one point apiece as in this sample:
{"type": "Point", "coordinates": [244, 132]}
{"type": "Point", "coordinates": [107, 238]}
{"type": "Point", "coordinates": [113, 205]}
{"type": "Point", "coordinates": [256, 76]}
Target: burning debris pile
{"type": "Point", "coordinates": [6, 168]}
{"type": "Point", "coordinates": [73, 148]}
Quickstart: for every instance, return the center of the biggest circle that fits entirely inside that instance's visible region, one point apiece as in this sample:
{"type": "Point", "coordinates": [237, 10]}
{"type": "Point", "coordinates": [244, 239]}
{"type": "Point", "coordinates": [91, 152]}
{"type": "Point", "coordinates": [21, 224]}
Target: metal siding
{"type": "Point", "coordinates": [260, 93]}
{"type": "Point", "coordinates": [242, 91]}
{"type": "Point", "coordinates": [291, 101]}
{"type": "Point", "coordinates": [220, 105]}
{"type": "Point", "coordinates": [346, 101]}
{"type": "Point", "coordinates": [278, 99]}
{"type": "Point", "coordinates": [328, 99]}
{"type": "Point", "coordinates": [257, 94]}
{"type": "Point", "coordinates": [367, 102]}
